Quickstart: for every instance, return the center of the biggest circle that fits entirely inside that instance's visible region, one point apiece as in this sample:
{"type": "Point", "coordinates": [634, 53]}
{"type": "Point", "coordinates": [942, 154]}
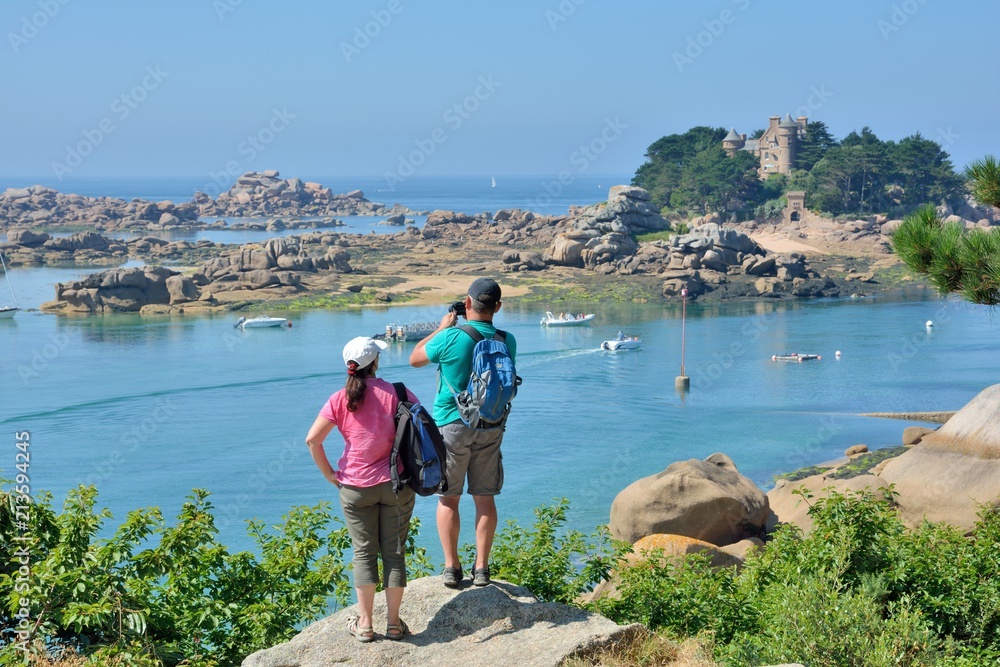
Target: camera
{"type": "Point", "coordinates": [458, 308]}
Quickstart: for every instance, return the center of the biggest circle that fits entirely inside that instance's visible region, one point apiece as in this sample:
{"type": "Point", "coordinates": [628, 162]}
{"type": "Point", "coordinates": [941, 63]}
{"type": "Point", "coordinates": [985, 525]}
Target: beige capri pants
{"type": "Point", "coordinates": [378, 521]}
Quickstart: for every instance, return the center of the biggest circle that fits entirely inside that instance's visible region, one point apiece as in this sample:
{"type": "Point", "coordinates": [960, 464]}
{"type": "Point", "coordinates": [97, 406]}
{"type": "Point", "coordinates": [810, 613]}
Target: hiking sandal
{"type": "Point", "coordinates": [397, 632]}
{"type": "Point", "coordinates": [358, 632]}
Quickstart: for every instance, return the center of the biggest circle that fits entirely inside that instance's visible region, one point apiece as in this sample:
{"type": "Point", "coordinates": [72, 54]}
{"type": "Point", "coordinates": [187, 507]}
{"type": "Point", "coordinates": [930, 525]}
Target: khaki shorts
{"type": "Point", "coordinates": [474, 453]}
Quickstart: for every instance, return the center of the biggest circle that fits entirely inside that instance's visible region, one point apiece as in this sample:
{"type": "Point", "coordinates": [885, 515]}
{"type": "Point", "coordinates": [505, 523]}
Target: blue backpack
{"type": "Point", "coordinates": [493, 382]}
{"type": "Point", "coordinates": [418, 449]}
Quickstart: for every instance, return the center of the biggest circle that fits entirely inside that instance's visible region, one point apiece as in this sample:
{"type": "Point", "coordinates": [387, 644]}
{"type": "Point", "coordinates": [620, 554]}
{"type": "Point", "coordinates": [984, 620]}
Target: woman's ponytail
{"type": "Point", "coordinates": [356, 384]}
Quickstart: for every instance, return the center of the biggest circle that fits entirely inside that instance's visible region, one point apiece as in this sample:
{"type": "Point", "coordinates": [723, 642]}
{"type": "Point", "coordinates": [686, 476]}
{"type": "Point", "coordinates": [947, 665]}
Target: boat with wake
{"type": "Point", "coordinates": [796, 357]}
{"type": "Point", "coordinates": [622, 342]}
{"type": "Point", "coordinates": [261, 322]}
{"type": "Point", "coordinates": [567, 320]}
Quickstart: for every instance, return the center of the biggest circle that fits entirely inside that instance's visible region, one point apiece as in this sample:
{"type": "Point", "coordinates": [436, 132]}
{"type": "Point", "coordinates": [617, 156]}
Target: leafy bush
{"type": "Point", "coordinates": [859, 589]}
{"type": "Point", "coordinates": [157, 594]}
{"type": "Point", "coordinates": [555, 565]}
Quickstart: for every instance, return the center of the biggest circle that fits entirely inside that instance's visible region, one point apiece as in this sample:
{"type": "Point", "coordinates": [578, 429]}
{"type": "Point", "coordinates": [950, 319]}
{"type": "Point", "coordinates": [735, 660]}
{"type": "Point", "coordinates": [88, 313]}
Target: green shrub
{"type": "Point", "coordinates": [554, 564]}
{"type": "Point", "coordinates": [160, 594]}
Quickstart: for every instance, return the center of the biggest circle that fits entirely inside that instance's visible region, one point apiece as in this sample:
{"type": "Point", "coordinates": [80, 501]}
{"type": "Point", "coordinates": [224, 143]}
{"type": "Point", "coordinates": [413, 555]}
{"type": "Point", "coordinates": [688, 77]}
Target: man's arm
{"type": "Point", "coordinates": [418, 357]}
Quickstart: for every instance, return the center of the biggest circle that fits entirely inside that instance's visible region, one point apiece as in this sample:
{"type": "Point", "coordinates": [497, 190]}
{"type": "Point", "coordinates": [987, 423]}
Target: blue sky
{"type": "Point", "coordinates": [191, 88]}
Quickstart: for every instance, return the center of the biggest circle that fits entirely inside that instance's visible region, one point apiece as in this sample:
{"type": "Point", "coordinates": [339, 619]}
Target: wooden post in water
{"type": "Point", "coordinates": [682, 382]}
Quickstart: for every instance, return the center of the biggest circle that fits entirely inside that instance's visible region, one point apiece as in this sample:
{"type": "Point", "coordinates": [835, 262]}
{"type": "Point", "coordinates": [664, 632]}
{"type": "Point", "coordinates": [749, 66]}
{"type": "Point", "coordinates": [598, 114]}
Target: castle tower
{"type": "Point", "coordinates": [733, 142]}
{"type": "Point", "coordinates": [796, 207]}
{"type": "Point", "coordinates": [788, 143]}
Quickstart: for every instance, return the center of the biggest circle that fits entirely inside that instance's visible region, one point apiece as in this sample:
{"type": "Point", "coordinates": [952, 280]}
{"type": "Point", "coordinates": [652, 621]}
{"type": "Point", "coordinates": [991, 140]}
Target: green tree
{"type": "Point", "coordinates": [713, 181]}
{"type": "Point", "coordinates": [814, 145]}
{"type": "Point", "coordinates": [923, 172]}
{"type": "Point", "coordinates": [953, 258]}
{"type": "Point", "coordinates": [668, 157]}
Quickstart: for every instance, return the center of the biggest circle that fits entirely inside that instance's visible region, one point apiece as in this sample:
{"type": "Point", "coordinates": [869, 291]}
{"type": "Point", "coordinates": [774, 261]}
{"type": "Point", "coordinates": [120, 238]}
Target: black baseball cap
{"type": "Point", "coordinates": [485, 291]}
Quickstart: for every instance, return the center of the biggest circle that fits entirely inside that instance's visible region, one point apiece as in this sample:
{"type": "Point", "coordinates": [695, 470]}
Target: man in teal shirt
{"type": "Point", "coordinates": [472, 452]}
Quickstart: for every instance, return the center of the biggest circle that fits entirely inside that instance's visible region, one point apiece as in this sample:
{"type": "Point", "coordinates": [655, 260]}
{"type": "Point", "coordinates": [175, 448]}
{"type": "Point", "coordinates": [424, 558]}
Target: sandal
{"type": "Point", "coordinates": [358, 632]}
{"type": "Point", "coordinates": [397, 632]}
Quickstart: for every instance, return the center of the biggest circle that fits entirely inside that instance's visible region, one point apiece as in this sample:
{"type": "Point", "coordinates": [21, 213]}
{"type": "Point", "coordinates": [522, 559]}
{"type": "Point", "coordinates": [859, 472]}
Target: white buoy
{"type": "Point", "coordinates": [837, 354]}
{"type": "Point", "coordinates": [930, 324]}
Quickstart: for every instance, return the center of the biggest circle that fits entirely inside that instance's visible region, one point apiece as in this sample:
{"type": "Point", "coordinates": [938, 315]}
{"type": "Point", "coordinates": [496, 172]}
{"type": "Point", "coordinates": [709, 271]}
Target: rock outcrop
{"type": "Point", "coordinates": [25, 247]}
{"type": "Point", "coordinates": [124, 290]}
{"type": "Point", "coordinates": [493, 626]}
{"type": "Point", "coordinates": [955, 469]}
{"type": "Point", "coordinates": [603, 234]}
{"type": "Point", "coordinates": [38, 205]}
{"type": "Point", "coordinates": [708, 500]}
{"type": "Point", "coordinates": [264, 193]}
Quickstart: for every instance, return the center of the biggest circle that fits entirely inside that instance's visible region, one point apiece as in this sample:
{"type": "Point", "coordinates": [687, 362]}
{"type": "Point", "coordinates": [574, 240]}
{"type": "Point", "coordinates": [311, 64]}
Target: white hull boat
{"type": "Point", "coordinates": [796, 357]}
{"type": "Point", "coordinates": [261, 322]}
{"type": "Point", "coordinates": [409, 332]}
{"type": "Point", "coordinates": [7, 313]}
{"type": "Point", "coordinates": [551, 320]}
{"type": "Point", "coordinates": [627, 343]}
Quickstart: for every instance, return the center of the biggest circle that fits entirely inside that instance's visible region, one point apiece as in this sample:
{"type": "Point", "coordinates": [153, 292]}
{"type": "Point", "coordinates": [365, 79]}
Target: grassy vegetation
{"type": "Point", "coordinates": [654, 236]}
{"type": "Point", "coordinates": [334, 301]}
{"type": "Point", "coordinates": [591, 288]}
{"type": "Point", "coordinates": [855, 467]}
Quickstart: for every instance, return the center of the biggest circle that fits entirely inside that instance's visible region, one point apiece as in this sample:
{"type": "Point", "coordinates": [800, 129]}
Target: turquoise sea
{"type": "Point", "coordinates": [148, 409]}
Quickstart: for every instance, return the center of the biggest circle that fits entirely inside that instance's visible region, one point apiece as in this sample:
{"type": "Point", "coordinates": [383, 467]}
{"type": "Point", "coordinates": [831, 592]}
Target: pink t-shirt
{"type": "Point", "coordinates": [368, 433]}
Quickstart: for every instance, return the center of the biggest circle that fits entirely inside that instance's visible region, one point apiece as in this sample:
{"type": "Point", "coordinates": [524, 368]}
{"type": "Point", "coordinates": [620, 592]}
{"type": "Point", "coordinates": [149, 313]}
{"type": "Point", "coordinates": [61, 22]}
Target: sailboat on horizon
{"type": "Point", "coordinates": [8, 312]}
{"type": "Point", "coordinates": [493, 181]}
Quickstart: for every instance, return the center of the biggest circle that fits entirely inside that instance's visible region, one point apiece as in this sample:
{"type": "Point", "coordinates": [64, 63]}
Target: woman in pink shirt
{"type": "Point", "coordinates": [377, 519]}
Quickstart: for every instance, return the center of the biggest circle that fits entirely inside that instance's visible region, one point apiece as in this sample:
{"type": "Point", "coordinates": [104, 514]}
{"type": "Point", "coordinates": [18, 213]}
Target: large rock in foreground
{"type": "Point", "coordinates": [708, 500]}
{"type": "Point", "coordinates": [954, 469]}
{"type": "Point", "coordinates": [493, 626]}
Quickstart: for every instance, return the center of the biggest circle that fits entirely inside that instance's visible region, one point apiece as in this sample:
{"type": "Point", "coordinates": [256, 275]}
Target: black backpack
{"type": "Point", "coordinates": [419, 447]}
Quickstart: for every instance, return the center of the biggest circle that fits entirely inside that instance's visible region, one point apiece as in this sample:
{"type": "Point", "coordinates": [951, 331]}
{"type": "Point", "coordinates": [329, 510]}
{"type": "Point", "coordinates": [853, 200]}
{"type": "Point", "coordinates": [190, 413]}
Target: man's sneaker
{"type": "Point", "coordinates": [481, 577]}
{"type": "Point", "coordinates": [453, 577]}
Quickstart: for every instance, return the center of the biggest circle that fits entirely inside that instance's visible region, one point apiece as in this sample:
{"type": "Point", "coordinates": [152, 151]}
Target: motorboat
{"type": "Point", "coordinates": [795, 356]}
{"type": "Point", "coordinates": [409, 332]}
{"type": "Point", "coordinates": [8, 312]}
{"type": "Point", "coordinates": [567, 320]}
{"type": "Point", "coordinates": [261, 321]}
{"type": "Point", "coordinates": [621, 342]}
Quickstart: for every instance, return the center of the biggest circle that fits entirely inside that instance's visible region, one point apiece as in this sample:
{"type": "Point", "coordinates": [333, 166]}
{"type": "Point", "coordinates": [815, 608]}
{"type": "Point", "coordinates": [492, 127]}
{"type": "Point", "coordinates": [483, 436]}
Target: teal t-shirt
{"type": "Point", "coordinates": [452, 349]}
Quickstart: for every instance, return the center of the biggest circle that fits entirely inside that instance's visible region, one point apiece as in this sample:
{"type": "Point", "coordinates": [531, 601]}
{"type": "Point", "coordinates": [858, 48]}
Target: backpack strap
{"type": "Point", "coordinates": [400, 391]}
{"type": "Point", "coordinates": [476, 336]}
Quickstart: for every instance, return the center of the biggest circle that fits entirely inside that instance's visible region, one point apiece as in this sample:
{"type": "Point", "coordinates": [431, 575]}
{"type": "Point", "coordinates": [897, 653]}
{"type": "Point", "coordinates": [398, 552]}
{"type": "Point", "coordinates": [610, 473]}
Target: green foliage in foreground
{"type": "Point", "coordinates": [953, 258]}
{"type": "Point", "coordinates": [858, 590]}
{"type": "Point", "coordinates": [159, 594]}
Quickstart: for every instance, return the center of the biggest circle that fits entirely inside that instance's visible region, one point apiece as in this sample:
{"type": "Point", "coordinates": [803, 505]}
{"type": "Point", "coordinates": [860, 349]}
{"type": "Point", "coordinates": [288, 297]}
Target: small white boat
{"type": "Point", "coordinates": [796, 357]}
{"type": "Point", "coordinates": [8, 312]}
{"type": "Point", "coordinates": [621, 342]}
{"type": "Point", "coordinates": [568, 320]}
{"type": "Point", "coordinates": [261, 321]}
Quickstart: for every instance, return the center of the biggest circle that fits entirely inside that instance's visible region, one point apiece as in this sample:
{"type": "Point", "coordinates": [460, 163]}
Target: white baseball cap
{"type": "Point", "coordinates": [363, 350]}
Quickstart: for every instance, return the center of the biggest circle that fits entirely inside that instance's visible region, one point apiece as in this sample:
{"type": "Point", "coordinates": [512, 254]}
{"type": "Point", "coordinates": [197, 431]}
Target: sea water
{"type": "Point", "coordinates": [149, 408]}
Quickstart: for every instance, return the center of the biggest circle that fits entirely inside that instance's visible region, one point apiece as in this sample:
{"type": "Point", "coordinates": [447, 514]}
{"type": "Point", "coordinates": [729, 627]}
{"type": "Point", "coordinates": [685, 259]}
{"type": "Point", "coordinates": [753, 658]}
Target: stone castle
{"type": "Point", "coordinates": [775, 149]}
